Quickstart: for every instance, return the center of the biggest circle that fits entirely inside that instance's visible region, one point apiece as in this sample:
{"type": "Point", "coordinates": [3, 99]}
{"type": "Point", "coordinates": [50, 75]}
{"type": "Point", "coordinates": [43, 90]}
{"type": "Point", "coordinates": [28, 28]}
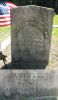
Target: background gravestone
{"type": "Point", "coordinates": [31, 36]}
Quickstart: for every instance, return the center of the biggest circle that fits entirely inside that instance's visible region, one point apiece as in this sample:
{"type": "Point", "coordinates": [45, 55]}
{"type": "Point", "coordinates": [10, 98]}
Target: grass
{"type": "Point", "coordinates": [5, 29]}
{"type": "Point", "coordinates": [55, 31]}
{"type": "Point", "coordinates": [4, 32]}
{"type": "Point", "coordinates": [55, 21]}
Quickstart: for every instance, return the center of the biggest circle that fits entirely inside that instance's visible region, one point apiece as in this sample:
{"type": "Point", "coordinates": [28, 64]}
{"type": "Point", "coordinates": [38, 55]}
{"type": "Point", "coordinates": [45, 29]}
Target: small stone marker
{"type": "Point", "coordinates": [31, 36]}
{"type": "Point", "coordinates": [29, 84]}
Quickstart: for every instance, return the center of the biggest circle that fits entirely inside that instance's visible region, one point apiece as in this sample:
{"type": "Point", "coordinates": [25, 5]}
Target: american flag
{"type": "Point", "coordinates": [5, 7]}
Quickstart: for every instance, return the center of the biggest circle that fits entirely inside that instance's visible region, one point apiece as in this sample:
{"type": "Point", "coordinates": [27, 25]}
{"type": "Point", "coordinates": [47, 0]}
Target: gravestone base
{"type": "Point", "coordinates": [29, 84]}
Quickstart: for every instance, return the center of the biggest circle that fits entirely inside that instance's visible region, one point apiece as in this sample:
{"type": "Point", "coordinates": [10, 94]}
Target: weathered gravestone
{"type": "Point", "coordinates": [29, 84]}
{"type": "Point", "coordinates": [31, 36]}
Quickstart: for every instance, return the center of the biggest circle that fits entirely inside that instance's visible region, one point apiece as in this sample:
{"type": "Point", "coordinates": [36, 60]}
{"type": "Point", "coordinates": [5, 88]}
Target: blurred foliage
{"type": "Point", "coordinates": [36, 2]}
{"type": "Point", "coordinates": [46, 3]}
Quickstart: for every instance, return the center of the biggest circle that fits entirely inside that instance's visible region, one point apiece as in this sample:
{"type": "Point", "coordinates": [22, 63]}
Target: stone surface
{"type": "Point", "coordinates": [31, 36]}
{"type": "Point", "coordinates": [29, 84]}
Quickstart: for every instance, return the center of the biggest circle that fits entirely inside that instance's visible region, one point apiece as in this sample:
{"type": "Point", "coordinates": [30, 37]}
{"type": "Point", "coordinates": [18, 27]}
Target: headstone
{"type": "Point", "coordinates": [29, 84]}
{"type": "Point", "coordinates": [31, 36]}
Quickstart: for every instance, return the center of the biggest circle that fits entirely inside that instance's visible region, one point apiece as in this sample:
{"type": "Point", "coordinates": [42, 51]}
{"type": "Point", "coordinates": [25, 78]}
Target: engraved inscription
{"type": "Point", "coordinates": [29, 40]}
{"type": "Point", "coordinates": [31, 22]}
{"type": "Point", "coordinates": [38, 83]}
{"type": "Point", "coordinates": [32, 39]}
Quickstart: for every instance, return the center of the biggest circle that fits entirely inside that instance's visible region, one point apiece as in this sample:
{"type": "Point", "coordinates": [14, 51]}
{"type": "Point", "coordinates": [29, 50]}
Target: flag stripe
{"type": "Point", "coordinates": [10, 4]}
{"type": "Point", "coordinates": [5, 19]}
{"type": "Point", "coordinates": [4, 23]}
{"type": "Point", "coordinates": [6, 15]}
